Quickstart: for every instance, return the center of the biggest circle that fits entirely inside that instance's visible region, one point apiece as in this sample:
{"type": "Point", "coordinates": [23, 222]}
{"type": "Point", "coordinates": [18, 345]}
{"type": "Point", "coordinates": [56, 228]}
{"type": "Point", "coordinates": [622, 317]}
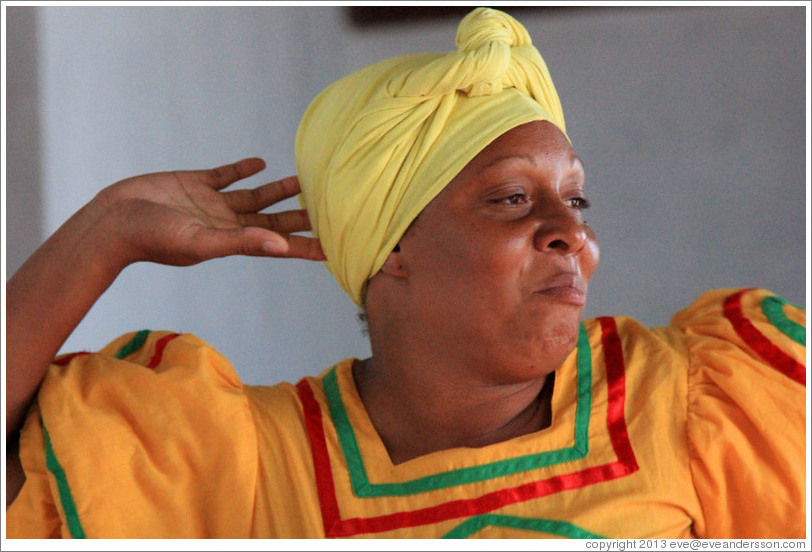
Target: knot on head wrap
{"type": "Point", "coordinates": [481, 65]}
{"type": "Point", "coordinates": [483, 26]}
{"type": "Point", "coordinates": [487, 36]}
{"type": "Point", "coordinates": [375, 147]}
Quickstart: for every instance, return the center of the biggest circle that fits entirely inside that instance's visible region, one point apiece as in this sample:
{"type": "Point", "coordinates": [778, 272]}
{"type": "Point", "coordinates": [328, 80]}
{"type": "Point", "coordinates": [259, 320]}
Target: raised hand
{"type": "Point", "coordinates": [176, 218]}
{"type": "Point", "coordinates": [185, 217]}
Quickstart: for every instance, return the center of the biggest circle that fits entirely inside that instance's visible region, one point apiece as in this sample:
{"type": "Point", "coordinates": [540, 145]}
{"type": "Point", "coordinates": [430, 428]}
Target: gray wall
{"type": "Point", "coordinates": [690, 122]}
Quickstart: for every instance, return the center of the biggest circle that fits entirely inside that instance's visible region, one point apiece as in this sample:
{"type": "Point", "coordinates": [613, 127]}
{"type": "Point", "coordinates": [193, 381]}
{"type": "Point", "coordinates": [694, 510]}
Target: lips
{"type": "Point", "coordinates": [565, 287]}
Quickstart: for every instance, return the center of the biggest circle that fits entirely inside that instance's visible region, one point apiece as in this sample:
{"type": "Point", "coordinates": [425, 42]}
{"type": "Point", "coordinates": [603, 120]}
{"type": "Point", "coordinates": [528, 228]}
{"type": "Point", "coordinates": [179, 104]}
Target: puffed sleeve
{"type": "Point", "coordinates": [150, 437]}
{"type": "Point", "coordinates": [747, 413]}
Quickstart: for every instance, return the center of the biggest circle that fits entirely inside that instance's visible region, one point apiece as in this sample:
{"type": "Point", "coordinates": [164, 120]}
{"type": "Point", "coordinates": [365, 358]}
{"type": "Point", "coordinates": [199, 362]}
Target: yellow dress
{"type": "Point", "coordinates": [695, 429]}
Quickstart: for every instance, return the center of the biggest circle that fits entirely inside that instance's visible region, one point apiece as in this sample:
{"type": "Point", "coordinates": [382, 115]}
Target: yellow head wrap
{"type": "Point", "coordinates": [375, 147]}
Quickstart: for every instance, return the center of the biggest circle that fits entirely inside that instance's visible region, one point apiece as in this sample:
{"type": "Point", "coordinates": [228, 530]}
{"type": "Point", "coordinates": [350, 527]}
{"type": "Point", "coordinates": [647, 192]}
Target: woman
{"type": "Point", "coordinates": [446, 198]}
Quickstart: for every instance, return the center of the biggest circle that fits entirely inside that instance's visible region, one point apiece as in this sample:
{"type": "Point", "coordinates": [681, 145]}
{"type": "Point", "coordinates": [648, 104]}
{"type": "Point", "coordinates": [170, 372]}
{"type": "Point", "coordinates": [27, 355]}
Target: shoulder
{"type": "Point", "coordinates": [159, 381]}
{"type": "Point", "coordinates": [141, 373]}
{"type": "Point", "coordinates": [722, 327]}
{"type": "Point", "coordinates": [746, 411]}
{"type": "Point", "coordinates": [747, 329]}
{"type": "Point", "coordinates": [153, 425]}
{"type": "Point", "coordinates": [146, 354]}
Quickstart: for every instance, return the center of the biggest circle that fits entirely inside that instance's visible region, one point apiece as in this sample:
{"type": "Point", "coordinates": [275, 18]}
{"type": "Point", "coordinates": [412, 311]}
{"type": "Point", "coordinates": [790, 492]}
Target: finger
{"type": "Point", "coordinates": [214, 242]}
{"type": "Point", "coordinates": [221, 177]}
{"type": "Point", "coordinates": [284, 222]}
{"type": "Point", "coordinates": [210, 243]}
{"type": "Point", "coordinates": [256, 199]}
{"type": "Point", "coordinates": [301, 247]}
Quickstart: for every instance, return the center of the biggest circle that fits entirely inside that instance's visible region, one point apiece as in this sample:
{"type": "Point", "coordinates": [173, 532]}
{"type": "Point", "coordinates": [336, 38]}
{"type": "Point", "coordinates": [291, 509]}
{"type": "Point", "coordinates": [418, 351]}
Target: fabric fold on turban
{"type": "Point", "coordinates": [375, 147]}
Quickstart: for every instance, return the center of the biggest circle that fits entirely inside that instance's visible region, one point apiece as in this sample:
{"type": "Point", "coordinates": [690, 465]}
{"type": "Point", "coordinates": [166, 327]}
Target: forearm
{"type": "Point", "coordinates": [48, 297]}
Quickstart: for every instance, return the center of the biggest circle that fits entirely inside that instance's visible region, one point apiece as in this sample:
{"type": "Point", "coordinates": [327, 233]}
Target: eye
{"type": "Point", "coordinates": [580, 203]}
{"type": "Point", "coordinates": [515, 199]}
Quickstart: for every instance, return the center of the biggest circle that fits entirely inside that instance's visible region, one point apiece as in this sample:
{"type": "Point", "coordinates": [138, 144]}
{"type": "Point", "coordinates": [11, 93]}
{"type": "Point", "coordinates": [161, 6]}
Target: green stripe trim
{"type": "Point", "coordinates": [358, 475]}
{"type": "Point", "coordinates": [549, 526]}
{"type": "Point", "coordinates": [65, 496]}
{"type": "Point", "coordinates": [773, 308]}
{"type": "Point", "coordinates": [133, 345]}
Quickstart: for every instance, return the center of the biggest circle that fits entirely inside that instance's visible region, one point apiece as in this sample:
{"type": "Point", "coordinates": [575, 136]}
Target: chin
{"type": "Point", "coordinates": [533, 355]}
{"type": "Point", "coordinates": [557, 339]}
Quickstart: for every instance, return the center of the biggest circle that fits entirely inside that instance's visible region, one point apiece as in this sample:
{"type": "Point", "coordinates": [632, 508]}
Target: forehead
{"type": "Point", "coordinates": [537, 142]}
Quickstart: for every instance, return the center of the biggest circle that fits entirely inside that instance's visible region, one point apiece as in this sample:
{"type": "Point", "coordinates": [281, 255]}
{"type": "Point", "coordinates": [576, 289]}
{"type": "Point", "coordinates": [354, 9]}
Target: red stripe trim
{"type": "Point", "coordinates": [159, 350]}
{"type": "Point", "coordinates": [616, 383]}
{"type": "Point", "coordinates": [483, 504]}
{"type": "Point", "coordinates": [64, 360]}
{"type": "Point", "coordinates": [321, 457]}
{"type": "Point", "coordinates": [757, 341]}
{"type": "Point", "coordinates": [616, 424]}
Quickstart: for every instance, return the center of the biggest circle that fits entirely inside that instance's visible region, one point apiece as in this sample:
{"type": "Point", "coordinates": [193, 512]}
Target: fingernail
{"type": "Point", "coordinates": [272, 247]}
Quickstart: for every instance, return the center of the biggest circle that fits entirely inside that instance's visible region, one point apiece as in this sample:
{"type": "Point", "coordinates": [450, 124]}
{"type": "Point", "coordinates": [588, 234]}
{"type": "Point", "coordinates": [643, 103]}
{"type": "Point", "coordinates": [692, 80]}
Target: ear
{"type": "Point", "coordinates": [395, 264]}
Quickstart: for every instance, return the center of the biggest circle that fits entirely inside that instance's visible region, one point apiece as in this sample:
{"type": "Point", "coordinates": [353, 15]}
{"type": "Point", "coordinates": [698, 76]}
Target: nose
{"type": "Point", "coordinates": [564, 232]}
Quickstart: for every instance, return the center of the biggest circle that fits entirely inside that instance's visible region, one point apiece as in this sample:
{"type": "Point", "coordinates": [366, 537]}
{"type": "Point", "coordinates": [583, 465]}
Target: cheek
{"type": "Point", "coordinates": [491, 261]}
{"type": "Point", "coordinates": [590, 258]}
{"type": "Point", "coordinates": [462, 261]}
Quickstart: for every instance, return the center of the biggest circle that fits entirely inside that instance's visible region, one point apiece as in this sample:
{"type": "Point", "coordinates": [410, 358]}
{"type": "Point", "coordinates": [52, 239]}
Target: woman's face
{"type": "Point", "coordinates": [500, 260]}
